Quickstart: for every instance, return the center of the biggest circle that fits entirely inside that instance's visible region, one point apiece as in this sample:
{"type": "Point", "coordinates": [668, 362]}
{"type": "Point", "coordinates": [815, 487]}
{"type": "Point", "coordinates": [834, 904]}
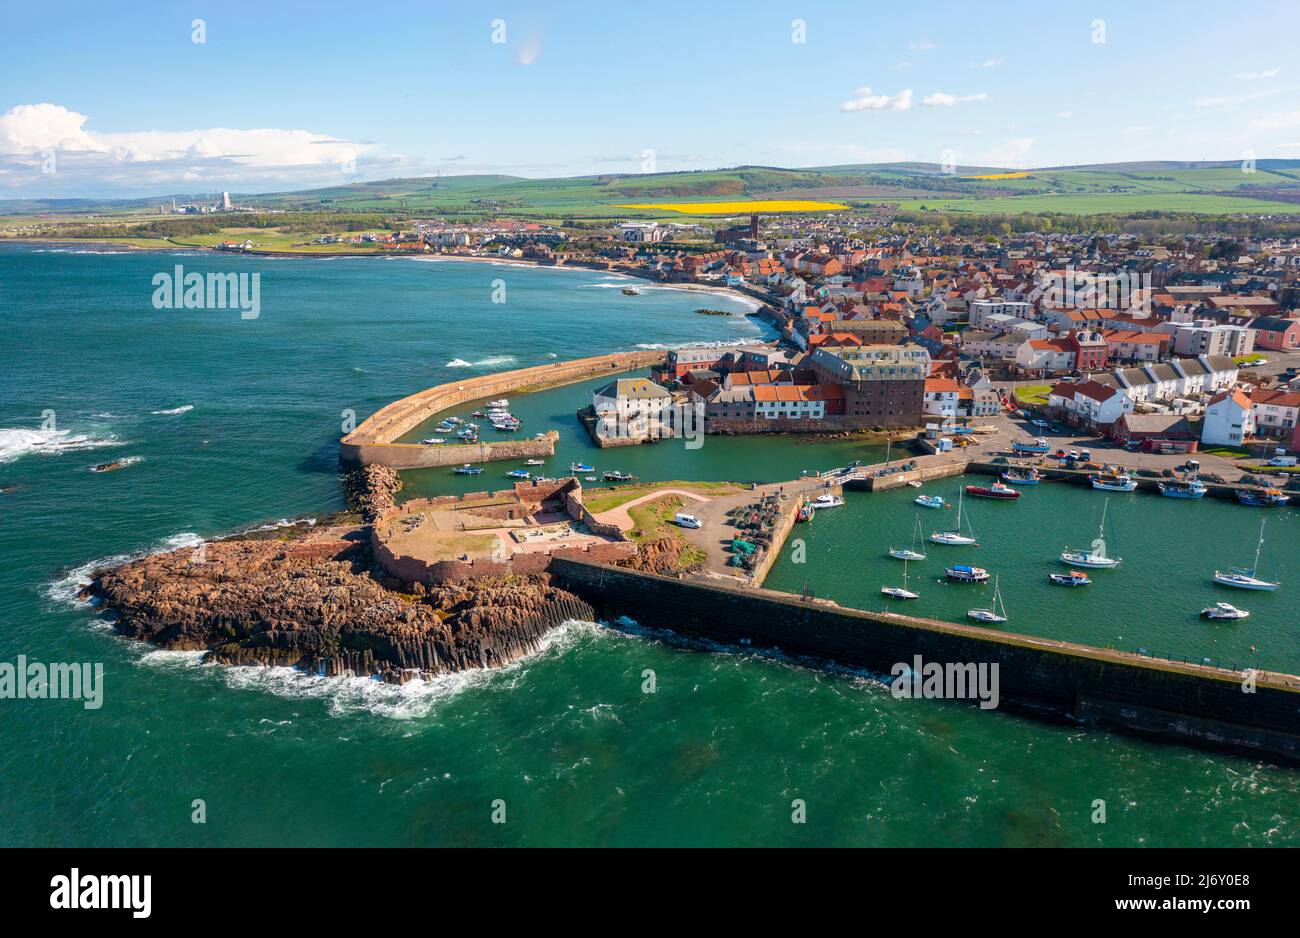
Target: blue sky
{"type": "Point", "coordinates": [118, 99]}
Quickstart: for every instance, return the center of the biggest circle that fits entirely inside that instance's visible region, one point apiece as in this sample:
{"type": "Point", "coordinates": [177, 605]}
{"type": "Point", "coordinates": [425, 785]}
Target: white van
{"type": "Point", "coordinates": [1282, 461]}
{"type": "Point", "coordinates": [686, 521]}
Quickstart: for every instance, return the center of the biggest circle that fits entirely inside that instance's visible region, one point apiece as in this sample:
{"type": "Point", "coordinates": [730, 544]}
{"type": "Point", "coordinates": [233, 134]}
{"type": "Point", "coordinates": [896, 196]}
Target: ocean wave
{"type": "Point", "coordinates": [183, 409]}
{"type": "Point", "coordinates": [721, 343]}
{"type": "Point", "coordinates": [483, 363]}
{"type": "Point", "coordinates": [18, 442]}
{"type": "Point", "coordinates": [67, 588]}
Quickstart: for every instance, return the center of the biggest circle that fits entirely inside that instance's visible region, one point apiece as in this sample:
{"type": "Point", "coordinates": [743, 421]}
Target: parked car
{"type": "Point", "coordinates": [683, 520]}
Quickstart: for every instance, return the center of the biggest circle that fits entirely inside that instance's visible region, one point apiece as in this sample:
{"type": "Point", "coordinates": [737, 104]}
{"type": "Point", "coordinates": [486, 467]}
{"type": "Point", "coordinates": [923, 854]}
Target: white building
{"type": "Point", "coordinates": [980, 310]}
{"type": "Point", "coordinates": [1228, 420]}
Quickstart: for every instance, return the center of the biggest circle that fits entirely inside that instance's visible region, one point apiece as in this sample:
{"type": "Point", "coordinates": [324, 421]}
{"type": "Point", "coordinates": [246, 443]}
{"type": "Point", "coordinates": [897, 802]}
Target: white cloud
{"type": "Point", "coordinates": [159, 157]}
{"type": "Point", "coordinates": [989, 63]}
{"type": "Point", "coordinates": [1218, 101]}
{"type": "Point", "coordinates": [1064, 115]}
{"type": "Point", "coordinates": [921, 46]}
{"type": "Point", "coordinates": [1277, 121]}
{"type": "Point", "coordinates": [864, 100]}
{"type": "Point", "coordinates": [939, 99]}
{"type": "Point", "coordinates": [1257, 76]}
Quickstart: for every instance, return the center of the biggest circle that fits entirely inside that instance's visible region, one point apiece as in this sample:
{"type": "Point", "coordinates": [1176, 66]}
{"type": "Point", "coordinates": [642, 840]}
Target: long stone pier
{"type": "Point", "coordinates": [1252, 712]}
{"type": "Point", "coordinates": [373, 441]}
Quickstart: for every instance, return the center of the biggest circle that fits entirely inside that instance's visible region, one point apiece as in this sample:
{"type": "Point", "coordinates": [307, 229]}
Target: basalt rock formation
{"type": "Point", "coordinates": [662, 555]}
{"type": "Point", "coordinates": [372, 490]}
{"type": "Point", "coordinates": [318, 605]}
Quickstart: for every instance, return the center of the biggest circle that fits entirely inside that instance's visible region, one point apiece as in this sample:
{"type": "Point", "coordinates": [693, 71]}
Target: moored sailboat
{"type": "Point", "coordinates": [905, 554]}
{"type": "Point", "coordinates": [955, 536]}
{"type": "Point", "coordinates": [995, 613]}
{"type": "Point", "coordinates": [1247, 579]}
{"type": "Point", "coordinates": [900, 592]}
{"type": "Point", "coordinates": [1095, 557]}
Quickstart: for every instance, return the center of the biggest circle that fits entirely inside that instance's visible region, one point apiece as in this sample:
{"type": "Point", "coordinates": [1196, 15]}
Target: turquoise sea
{"type": "Point", "coordinates": [235, 423]}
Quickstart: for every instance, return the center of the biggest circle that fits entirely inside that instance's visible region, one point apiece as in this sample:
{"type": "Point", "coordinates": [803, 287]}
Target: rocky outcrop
{"type": "Point", "coordinates": [318, 605]}
{"type": "Point", "coordinates": [372, 490]}
{"type": "Point", "coordinates": [664, 555]}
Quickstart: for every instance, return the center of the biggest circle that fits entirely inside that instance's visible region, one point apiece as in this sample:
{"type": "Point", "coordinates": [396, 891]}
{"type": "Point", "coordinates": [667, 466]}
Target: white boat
{"type": "Point", "coordinates": [1192, 488]}
{"type": "Point", "coordinates": [1247, 579]}
{"type": "Point", "coordinates": [1114, 482]}
{"type": "Point", "coordinates": [1224, 612]}
{"type": "Point", "coordinates": [995, 613]}
{"type": "Point", "coordinates": [1073, 578]}
{"type": "Point", "coordinates": [432, 441]}
{"type": "Point", "coordinates": [900, 592]}
{"type": "Point", "coordinates": [914, 484]}
{"type": "Point", "coordinates": [535, 462]}
{"type": "Point", "coordinates": [954, 536]}
{"type": "Point", "coordinates": [905, 554]}
{"type": "Point", "coordinates": [930, 501]}
{"type": "Point", "coordinates": [964, 573]}
{"type": "Point", "coordinates": [828, 501]}
{"type": "Point", "coordinates": [502, 403]}
{"type": "Point", "coordinates": [1095, 557]}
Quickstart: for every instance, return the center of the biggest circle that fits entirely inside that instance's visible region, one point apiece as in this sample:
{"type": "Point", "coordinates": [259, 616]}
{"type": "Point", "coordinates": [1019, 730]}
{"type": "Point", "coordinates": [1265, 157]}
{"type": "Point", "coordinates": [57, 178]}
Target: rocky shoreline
{"type": "Point", "coordinates": [316, 602]}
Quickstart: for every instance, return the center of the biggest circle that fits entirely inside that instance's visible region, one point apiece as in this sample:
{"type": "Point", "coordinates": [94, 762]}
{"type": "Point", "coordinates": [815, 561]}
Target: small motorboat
{"type": "Point", "coordinates": [1113, 482]}
{"type": "Point", "coordinates": [1264, 498]}
{"type": "Point", "coordinates": [995, 614]}
{"type": "Point", "coordinates": [479, 413]}
{"type": "Point", "coordinates": [589, 478]}
{"type": "Point", "coordinates": [519, 474]}
{"type": "Point", "coordinates": [996, 490]}
{"type": "Point", "coordinates": [433, 441]}
{"type": "Point", "coordinates": [1038, 445]}
{"type": "Point", "coordinates": [914, 484]}
{"type": "Point", "coordinates": [1073, 578]}
{"type": "Point", "coordinates": [505, 427]}
{"type": "Point", "coordinates": [467, 470]}
{"type": "Point", "coordinates": [965, 573]}
{"type": "Point", "coordinates": [930, 501]}
{"type": "Point", "coordinates": [1028, 476]}
{"type": "Point", "coordinates": [503, 402]}
{"type": "Point", "coordinates": [828, 501]}
{"type": "Point", "coordinates": [453, 421]}
{"type": "Point", "coordinates": [615, 476]}
{"type": "Point", "coordinates": [581, 467]}
{"type": "Point", "coordinates": [1223, 612]}
{"type": "Point", "coordinates": [535, 462]}
{"type": "Point", "coordinates": [1190, 489]}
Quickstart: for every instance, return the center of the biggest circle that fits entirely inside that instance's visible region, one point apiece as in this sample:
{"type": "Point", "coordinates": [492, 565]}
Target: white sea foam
{"type": "Point", "coordinates": [482, 363]}
{"type": "Point", "coordinates": [183, 409]}
{"type": "Point", "coordinates": [18, 442]}
{"type": "Point", "coordinates": [66, 588]}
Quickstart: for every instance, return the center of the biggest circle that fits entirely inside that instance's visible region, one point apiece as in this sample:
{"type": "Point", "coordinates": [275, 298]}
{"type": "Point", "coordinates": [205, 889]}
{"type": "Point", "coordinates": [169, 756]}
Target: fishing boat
{"type": "Point", "coordinates": [996, 490]}
{"type": "Point", "coordinates": [905, 554]}
{"type": "Point", "coordinates": [828, 501]}
{"type": "Point", "coordinates": [806, 512]}
{"type": "Point", "coordinates": [468, 434]}
{"type": "Point", "coordinates": [1095, 557]}
{"type": "Point", "coordinates": [1247, 579]}
{"type": "Point", "coordinates": [581, 467]}
{"type": "Point", "coordinates": [1027, 476]}
{"type": "Point", "coordinates": [1119, 481]}
{"type": "Point", "coordinates": [900, 592]}
{"type": "Point", "coordinates": [505, 427]}
{"type": "Point", "coordinates": [519, 474]}
{"type": "Point", "coordinates": [467, 470]}
{"type": "Point", "coordinates": [1264, 498]}
{"type": "Point", "coordinates": [479, 413]}
{"type": "Point", "coordinates": [501, 403]}
{"type": "Point", "coordinates": [1038, 445]}
{"type": "Point", "coordinates": [432, 441]}
{"type": "Point", "coordinates": [1192, 488]}
{"type": "Point", "coordinates": [1223, 612]}
{"type": "Point", "coordinates": [964, 573]}
{"type": "Point", "coordinates": [453, 421]}
{"type": "Point", "coordinates": [954, 536]}
{"type": "Point", "coordinates": [996, 612]}
{"type": "Point", "coordinates": [930, 501]}
{"type": "Point", "coordinates": [535, 462]}
{"type": "Point", "coordinates": [615, 476]}
{"type": "Point", "coordinates": [1073, 578]}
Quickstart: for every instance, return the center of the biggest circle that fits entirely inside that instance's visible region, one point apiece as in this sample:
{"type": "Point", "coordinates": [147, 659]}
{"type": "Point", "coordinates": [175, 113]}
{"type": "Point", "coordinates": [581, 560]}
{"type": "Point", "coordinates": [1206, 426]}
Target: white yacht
{"type": "Point", "coordinates": [996, 613]}
{"type": "Point", "coordinates": [904, 553]}
{"type": "Point", "coordinates": [828, 501]}
{"type": "Point", "coordinates": [900, 592]}
{"type": "Point", "coordinates": [955, 536]}
{"type": "Point", "coordinates": [1247, 579]}
{"type": "Point", "coordinates": [1095, 556]}
{"type": "Point", "coordinates": [1223, 612]}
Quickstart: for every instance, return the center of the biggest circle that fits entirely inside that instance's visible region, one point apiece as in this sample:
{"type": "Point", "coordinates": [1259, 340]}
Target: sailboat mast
{"type": "Point", "coordinates": [1258, 547]}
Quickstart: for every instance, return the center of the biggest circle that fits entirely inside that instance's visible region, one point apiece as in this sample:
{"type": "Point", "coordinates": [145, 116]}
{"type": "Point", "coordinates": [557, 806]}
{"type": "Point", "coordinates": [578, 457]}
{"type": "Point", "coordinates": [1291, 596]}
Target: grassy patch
{"type": "Point", "coordinates": [1033, 393]}
{"type": "Point", "coordinates": [598, 500]}
{"type": "Point", "coordinates": [1227, 452]}
{"type": "Point", "coordinates": [1249, 359]}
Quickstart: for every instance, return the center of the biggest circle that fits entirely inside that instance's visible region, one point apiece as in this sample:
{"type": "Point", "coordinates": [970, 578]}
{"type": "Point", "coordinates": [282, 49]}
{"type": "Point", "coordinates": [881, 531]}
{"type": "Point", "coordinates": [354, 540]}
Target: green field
{"type": "Point", "coordinates": [1104, 204]}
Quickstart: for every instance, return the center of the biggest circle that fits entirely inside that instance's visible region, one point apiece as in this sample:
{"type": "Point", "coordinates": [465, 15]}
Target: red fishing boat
{"type": "Point", "coordinates": [996, 490]}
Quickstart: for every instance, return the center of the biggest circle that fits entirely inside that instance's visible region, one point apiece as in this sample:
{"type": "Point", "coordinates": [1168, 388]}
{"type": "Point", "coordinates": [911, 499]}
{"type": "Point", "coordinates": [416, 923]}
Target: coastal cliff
{"type": "Point", "coordinates": [317, 605]}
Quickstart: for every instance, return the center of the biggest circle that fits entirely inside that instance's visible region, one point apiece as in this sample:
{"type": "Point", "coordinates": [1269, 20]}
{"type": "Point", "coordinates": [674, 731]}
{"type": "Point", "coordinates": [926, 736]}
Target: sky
{"type": "Point", "coordinates": [196, 96]}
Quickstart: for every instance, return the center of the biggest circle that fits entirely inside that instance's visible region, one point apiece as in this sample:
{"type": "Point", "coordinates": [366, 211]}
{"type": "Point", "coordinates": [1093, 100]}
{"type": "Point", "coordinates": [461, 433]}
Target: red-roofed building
{"type": "Point", "coordinates": [1228, 420]}
{"type": "Point", "coordinates": [1089, 405]}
